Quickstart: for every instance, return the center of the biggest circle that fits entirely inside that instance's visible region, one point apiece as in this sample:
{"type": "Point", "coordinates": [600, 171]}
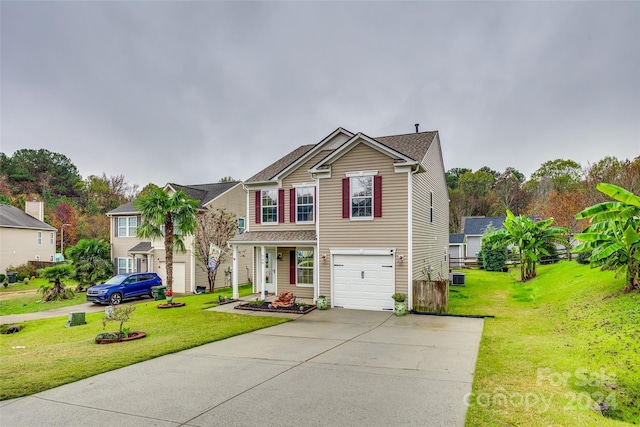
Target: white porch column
{"type": "Point", "coordinates": [263, 270]}
{"type": "Point", "coordinates": [234, 273]}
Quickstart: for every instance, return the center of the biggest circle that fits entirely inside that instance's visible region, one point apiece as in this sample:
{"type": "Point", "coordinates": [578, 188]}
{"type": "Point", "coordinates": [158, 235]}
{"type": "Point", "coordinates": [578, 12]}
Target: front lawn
{"type": "Point", "coordinates": [46, 354]}
{"type": "Point", "coordinates": [559, 346]}
{"type": "Point", "coordinates": [26, 298]}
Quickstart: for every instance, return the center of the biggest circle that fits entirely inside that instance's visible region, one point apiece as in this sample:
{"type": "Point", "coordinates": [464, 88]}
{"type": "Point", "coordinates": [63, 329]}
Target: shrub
{"type": "Point", "coordinates": [493, 259]}
{"type": "Point", "coordinates": [583, 257]}
{"type": "Point", "coordinates": [24, 271]}
{"type": "Point", "coordinates": [2, 277]}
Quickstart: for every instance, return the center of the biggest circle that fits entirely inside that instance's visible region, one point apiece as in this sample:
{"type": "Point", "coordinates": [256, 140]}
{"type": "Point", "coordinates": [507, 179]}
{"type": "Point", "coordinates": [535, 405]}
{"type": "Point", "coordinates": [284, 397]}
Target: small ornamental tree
{"type": "Point", "coordinates": [215, 226]}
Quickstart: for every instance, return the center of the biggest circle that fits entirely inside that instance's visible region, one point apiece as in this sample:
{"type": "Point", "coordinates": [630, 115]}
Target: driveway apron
{"type": "Point", "coordinates": [327, 368]}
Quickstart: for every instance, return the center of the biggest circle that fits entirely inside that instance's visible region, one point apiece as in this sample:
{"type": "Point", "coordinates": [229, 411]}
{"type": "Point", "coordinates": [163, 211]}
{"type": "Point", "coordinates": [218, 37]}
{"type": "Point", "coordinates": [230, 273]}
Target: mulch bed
{"type": "Point", "coordinates": [265, 306]}
{"type": "Point", "coordinates": [133, 335]}
{"type": "Point", "coordinates": [171, 305]}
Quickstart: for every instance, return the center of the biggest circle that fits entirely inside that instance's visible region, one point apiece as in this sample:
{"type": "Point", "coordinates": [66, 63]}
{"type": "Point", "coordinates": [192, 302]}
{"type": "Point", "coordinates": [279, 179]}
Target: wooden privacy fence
{"type": "Point", "coordinates": [431, 296]}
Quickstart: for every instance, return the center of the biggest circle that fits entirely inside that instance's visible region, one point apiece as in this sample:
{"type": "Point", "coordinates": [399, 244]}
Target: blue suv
{"type": "Point", "coordinates": [123, 286]}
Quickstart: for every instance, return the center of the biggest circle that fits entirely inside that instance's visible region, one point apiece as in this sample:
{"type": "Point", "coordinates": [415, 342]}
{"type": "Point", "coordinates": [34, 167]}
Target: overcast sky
{"type": "Point", "coordinates": [191, 92]}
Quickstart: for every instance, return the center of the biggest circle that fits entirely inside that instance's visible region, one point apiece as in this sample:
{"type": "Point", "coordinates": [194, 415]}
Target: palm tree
{"type": "Point", "coordinates": [170, 216]}
{"type": "Point", "coordinates": [614, 234]}
{"type": "Point", "coordinates": [91, 259]}
{"type": "Point", "coordinates": [55, 275]}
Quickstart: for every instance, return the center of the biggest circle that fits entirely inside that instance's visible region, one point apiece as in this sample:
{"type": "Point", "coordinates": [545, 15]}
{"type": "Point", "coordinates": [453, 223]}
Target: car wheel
{"type": "Point", "coordinates": [115, 298]}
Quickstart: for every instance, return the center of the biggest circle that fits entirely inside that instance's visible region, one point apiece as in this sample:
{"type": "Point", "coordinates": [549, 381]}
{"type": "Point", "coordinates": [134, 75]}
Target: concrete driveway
{"type": "Point", "coordinates": [327, 368]}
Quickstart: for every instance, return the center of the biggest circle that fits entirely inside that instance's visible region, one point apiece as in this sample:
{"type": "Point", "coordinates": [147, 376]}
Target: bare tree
{"type": "Point", "coordinates": [215, 226]}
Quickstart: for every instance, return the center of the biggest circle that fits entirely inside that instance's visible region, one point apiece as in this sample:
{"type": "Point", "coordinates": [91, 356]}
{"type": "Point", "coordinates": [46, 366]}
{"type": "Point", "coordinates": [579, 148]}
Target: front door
{"type": "Point", "coordinates": [270, 271]}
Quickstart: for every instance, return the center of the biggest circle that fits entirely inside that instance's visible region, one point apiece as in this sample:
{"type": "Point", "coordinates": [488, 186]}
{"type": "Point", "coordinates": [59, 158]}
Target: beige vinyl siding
{"type": "Point", "coordinates": [299, 176]}
{"type": "Point", "coordinates": [235, 202]}
{"type": "Point", "coordinates": [430, 240]}
{"type": "Point", "coordinates": [389, 231]}
{"type": "Point", "coordinates": [20, 245]}
{"type": "Point", "coordinates": [283, 277]}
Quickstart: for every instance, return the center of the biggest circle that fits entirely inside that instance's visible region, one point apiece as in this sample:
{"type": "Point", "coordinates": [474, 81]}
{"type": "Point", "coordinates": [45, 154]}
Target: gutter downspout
{"type": "Point", "coordinates": [410, 237]}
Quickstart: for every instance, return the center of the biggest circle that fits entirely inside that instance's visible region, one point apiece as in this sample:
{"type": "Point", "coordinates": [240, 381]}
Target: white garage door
{"type": "Point", "coordinates": [178, 275]}
{"type": "Point", "coordinates": [363, 282]}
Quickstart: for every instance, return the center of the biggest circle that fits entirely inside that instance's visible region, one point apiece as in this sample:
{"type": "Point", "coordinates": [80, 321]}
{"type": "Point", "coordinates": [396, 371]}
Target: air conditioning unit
{"type": "Point", "coordinates": [456, 279]}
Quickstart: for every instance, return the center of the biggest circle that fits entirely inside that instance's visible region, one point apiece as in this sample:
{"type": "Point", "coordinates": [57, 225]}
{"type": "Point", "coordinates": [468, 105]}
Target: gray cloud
{"type": "Point", "coordinates": [190, 92]}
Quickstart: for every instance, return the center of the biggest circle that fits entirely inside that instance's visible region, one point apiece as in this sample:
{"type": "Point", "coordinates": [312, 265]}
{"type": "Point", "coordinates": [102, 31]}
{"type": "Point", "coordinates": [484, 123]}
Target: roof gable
{"type": "Point", "coordinates": [294, 159]}
{"type": "Point", "coordinates": [13, 217]}
{"type": "Point", "coordinates": [204, 193]}
{"type": "Point", "coordinates": [407, 148]}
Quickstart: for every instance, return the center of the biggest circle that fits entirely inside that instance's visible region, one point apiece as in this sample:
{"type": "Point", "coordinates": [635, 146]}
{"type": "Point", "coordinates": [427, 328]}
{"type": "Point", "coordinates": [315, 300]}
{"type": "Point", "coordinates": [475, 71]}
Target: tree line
{"type": "Point", "coordinates": [80, 204]}
{"type": "Point", "coordinates": [557, 189]}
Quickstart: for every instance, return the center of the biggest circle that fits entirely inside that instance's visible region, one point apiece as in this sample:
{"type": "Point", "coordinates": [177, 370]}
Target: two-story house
{"type": "Point", "coordinates": [132, 254]}
{"type": "Point", "coordinates": [352, 218]}
{"type": "Point", "coordinates": [24, 236]}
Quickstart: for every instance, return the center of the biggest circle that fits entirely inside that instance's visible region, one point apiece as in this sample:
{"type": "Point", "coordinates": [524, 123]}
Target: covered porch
{"type": "Point", "coordinates": [142, 257]}
{"type": "Point", "coordinates": [284, 261]}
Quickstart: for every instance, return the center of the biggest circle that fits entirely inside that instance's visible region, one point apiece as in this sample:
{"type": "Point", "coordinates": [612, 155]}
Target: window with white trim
{"type": "Point", "coordinates": [127, 226]}
{"type": "Point", "coordinates": [241, 226]}
{"type": "Point", "coordinates": [125, 265]}
{"type": "Point", "coordinates": [304, 204]}
{"type": "Point", "coordinates": [304, 266]}
{"type": "Point", "coordinates": [361, 196]}
{"type": "Point", "coordinates": [269, 206]}
{"type": "Point", "coordinates": [52, 240]}
{"type": "Point", "coordinates": [39, 237]}
{"type": "Point", "coordinates": [431, 206]}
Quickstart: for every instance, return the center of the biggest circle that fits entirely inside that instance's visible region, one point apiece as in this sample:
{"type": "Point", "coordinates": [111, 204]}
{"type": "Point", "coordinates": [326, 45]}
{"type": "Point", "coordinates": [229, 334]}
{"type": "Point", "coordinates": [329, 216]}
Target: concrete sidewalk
{"type": "Point", "coordinates": [327, 368]}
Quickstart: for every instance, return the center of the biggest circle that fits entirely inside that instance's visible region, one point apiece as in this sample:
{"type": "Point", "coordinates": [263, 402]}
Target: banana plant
{"type": "Point", "coordinates": [614, 234]}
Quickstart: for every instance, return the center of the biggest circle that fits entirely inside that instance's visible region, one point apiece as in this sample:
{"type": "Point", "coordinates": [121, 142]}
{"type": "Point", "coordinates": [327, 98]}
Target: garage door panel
{"type": "Point", "coordinates": [363, 281]}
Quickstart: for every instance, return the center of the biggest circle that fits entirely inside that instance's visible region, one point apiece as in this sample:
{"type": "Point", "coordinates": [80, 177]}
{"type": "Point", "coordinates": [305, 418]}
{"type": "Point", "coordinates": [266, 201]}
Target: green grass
{"type": "Point", "coordinates": [570, 337]}
{"type": "Point", "coordinates": [54, 355]}
{"type": "Point", "coordinates": [32, 284]}
{"type": "Point", "coordinates": [21, 298]}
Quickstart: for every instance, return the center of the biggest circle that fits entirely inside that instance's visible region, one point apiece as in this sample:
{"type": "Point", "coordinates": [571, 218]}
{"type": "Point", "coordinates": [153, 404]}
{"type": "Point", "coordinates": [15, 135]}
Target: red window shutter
{"type": "Point", "coordinates": [281, 205]}
{"type": "Point", "coordinates": [345, 198]}
{"type": "Point", "coordinates": [258, 207]}
{"type": "Point", "coordinates": [377, 196]}
{"type": "Point", "coordinates": [292, 267]}
{"type": "Point", "coordinates": [292, 205]}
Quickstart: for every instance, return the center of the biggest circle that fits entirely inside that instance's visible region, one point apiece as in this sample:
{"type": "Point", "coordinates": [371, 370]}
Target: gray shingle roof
{"type": "Point", "coordinates": [15, 218]}
{"type": "Point", "coordinates": [477, 225]}
{"type": "Point", "coordinates": [412, 145]}
{"type": "Point", "coordinates": [142, 247]}
{"type": "Point", "coordinates": [205, 192]}
{"type": "Point", "coordinates": [202, 192]}
{"type": "Point", "coordinates": [281, 164]}
{"type": "Point", "coordinates": [456, 238]}
{"type": "Point", "coordinates": [275, 236]}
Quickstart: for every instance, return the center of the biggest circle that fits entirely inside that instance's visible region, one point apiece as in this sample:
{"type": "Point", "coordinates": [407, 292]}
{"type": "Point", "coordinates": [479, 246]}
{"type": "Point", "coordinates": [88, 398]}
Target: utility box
{"type": "Point", "coordinates": [76, 318]}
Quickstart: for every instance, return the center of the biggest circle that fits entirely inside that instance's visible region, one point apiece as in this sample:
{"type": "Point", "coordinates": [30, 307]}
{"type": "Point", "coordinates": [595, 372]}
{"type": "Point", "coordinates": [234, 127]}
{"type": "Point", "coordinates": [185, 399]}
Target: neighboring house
{"type": "Point", "coordinates": [456, 250]}
{"type": "Point", "coordinates": [130, 253]}
{"type": "Point", "coordinates": [24, 236]}
{"type": "Point", "coordinates": [352, 218]}
{"type": "Point", "coordinates": [473, 228]}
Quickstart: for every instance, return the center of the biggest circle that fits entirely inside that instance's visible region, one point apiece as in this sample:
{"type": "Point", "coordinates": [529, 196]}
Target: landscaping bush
{"type": "Point", "coordinates": [24, 271]}
{"type": "Point", "coordinates": [493, 259]}
{"type": "Point", "coordinates": [2, 277]}
{"type": "Point", "coordinates": [583, 257]}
